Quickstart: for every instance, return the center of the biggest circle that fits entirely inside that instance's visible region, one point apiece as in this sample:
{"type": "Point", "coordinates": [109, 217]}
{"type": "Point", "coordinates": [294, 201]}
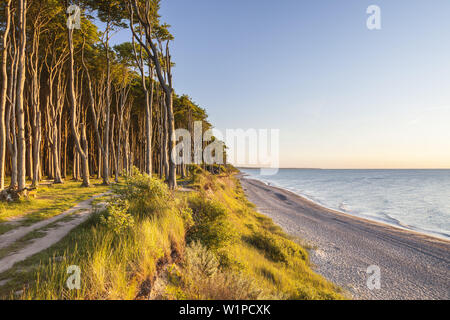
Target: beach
{"type": "Point", "coordinates": [412, 265]}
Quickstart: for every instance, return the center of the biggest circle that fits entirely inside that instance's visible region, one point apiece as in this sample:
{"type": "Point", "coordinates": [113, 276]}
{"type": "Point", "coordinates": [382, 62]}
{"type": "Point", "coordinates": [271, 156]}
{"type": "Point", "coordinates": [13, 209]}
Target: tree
{"type": "Point", "coordinates": [79, 134]}
{"type": "Point", "coordinates": [3, 92]}
{"type": "Point", "coordinates": [20, 114]}
{"type": "Point", "coordinates": [145, 13]}
{"type": "Point", "coordinates": [110, 12]}
{"type": "Point", "coordinates": [70, 101]}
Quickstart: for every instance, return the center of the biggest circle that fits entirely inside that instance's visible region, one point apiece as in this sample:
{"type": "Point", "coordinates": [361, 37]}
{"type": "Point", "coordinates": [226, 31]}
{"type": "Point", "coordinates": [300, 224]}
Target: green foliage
{"type": "Point", "coordinates": [276, 248]}
{"type": "Point", "coordinates": [109, 11]}
{"type": "Point", "coordinates": [146, 196]}
{"type": "Point", "coordinates": [196, 172]}
{"type": "Point", "coordinates": [117, 217]}
{"type": "Point", "coordinates": [211, 227]}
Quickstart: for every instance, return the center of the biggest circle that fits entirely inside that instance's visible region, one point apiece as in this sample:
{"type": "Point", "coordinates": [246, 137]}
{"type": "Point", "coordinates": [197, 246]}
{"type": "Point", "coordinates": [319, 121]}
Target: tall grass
{"type": "Point", "coordinates": [116, 264]}
{"type": "Point", "coordinates": [210, 244]}
{"type": "Point", "coordinates": [261, 252]}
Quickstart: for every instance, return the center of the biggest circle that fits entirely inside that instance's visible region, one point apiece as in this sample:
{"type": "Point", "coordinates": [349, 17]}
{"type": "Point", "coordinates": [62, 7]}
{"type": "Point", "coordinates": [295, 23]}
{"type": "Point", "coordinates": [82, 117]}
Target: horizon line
{"type": "Point", "coordinates": [303, 168]}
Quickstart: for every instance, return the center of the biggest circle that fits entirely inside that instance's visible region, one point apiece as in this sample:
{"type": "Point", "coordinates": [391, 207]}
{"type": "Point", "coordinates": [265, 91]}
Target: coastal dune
{"type": "Point", "coordinates": [412, 265]}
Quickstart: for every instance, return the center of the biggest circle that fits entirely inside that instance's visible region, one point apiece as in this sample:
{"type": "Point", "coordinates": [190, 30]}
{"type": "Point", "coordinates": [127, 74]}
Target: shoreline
{"type": "Point", "coordinates": [399, 226]}
{"type": "Point", "coordinates": [413, 265]}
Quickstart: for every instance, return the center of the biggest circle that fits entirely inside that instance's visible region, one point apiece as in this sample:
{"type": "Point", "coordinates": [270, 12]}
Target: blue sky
{"type": "Point", "coordinates": [342, 96]}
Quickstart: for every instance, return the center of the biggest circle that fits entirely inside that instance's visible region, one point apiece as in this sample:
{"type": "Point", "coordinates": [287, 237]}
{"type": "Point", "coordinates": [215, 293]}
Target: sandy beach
{"type": "Point", "coordinates": [413, 265]}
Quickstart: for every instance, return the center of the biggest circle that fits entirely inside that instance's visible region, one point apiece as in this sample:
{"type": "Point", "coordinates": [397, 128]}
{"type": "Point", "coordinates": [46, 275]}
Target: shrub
{"type": "Point", "coordinates": [186, 215]}
{"type": "Point", "coordinates": [117, 217]}
{"type": "Point", "coordinates": [210, 227]}
{"type": "Point", "coordinates": [201, 278]}
{"type": "Point", "coordinates": [146, 195]}
{"type": "Point", "coordinates": [199, 260]}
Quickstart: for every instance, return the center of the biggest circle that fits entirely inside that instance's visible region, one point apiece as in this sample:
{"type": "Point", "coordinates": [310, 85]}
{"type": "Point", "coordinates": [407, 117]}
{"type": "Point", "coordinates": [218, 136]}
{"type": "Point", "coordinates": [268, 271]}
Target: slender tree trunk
{"type": "Point", "coordinates": [3, 94]}
{"type": "Point", "coordinates": [149, 127]}
{"type": "Point", "coordinates": [81, 146]}
{"type": "Point", "coordinates": [114, 154]}
{"type": "Point", "coordinates": [21, 143]}
{"type": "Point", "coordinates": [172, 178]}
{"type": "Point", "coordinates": [11, 111]}
{"type": "Point", "coordinates": [165, 156]}
{"type": "Point", "coordinates": [166, 83]}
{"type": "Point", "coordinates": [106, 171]}
{"type": "Point", "coordinates": [56, 167]}
{"type": "Point", "coordinates": [66, 137]}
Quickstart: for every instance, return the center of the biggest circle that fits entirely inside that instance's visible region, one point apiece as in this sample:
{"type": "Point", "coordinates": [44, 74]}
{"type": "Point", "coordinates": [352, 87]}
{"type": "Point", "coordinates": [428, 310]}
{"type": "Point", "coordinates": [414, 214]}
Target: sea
{"type": "Point", "coordinates": [416, 200]}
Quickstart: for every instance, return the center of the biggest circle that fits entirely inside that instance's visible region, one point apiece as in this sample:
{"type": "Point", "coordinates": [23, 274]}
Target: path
{"type": "Point", "coordinates": [55, 229]}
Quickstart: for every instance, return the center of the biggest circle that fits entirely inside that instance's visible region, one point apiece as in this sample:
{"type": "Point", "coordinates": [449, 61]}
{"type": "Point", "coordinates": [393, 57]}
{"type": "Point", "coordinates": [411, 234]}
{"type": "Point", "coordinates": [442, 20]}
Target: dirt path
{"type": "Point", "coordinates": [56, 228]}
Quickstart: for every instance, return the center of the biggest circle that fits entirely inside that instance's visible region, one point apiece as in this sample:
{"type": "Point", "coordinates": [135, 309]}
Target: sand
{"type": "Point", "coordinates": [412, 265]}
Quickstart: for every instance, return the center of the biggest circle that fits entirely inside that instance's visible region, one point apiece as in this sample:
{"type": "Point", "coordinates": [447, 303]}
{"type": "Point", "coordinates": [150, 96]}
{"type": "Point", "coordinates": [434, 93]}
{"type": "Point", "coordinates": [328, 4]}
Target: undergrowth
{"type": "Point", "coordinates": [207, 244]}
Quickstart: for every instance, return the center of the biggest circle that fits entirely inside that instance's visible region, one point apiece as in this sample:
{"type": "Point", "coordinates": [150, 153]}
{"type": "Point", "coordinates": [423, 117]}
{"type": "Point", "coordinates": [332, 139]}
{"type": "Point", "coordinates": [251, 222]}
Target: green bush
{"type": "Point", "coordinates": [147, 196]}
{"type": "Point", "coordinates": [117, 217]}
{"type": "Point", "coordinates": [186, 214]}
{"type": "Point", "coordinates": [210, 227]}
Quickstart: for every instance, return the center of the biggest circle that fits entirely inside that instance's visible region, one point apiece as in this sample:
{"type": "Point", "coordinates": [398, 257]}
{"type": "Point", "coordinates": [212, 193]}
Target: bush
{"type": "Point", "coordinates": [201, 278]}
{"type": "Point", "coordinates": [117, 217]}
{"type": "Point", "coordinates": [147, 196]}
{"type": "Point", "coordinates": [210, 227]}
{"type": "Point", "coordinates": [199, 260]}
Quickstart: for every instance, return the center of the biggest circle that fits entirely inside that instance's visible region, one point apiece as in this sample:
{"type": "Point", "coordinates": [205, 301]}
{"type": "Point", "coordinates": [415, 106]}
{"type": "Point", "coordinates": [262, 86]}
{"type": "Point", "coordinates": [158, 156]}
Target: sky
{"type": "Point", "coordinates": [343, 96]}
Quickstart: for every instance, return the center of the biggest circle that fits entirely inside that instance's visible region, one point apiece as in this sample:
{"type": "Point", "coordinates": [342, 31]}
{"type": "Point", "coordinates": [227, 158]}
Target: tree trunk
{"type": "Point", "coordinates": [11, 137]}
{"type": "Point", "coordinates": [172, 177]}
{"type": "Point", "coordinates": [3, 94]}
{"type": "Point", "coordinates": [21, 147]}
{"type": "Point", "coordinates": [73, 102]}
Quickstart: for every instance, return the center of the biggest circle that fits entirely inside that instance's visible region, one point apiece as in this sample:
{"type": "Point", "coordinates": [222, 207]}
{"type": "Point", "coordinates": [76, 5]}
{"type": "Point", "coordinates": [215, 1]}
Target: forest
{"type": "Point", "coordinates": [74, 106]}
{"type": "Point", "coordinates": [99, 200]}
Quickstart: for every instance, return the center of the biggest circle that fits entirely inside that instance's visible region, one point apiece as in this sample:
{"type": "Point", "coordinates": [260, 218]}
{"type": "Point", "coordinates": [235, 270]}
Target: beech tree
{"type": "Point", "coordinates": [145, 14]}
{"type": "Point", "coordinates": [3, 92]}
{"type": "Point", "coordinates": [70, 103]}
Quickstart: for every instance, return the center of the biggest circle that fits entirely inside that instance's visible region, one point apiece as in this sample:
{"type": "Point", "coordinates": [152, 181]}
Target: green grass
{"type": "Point", "coordinates": [260, 250]}
{"type": "Point", "coordinates": [114, 265]}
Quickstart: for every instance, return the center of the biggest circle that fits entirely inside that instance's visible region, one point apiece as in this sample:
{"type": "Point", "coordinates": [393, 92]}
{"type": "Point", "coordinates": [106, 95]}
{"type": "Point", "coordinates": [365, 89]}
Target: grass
{"type": "Point", "coordinates": [46, 202]}
{"type": "Point", "coordinates": [260, 250]}
{"type": "Point", "coordinates": [113, 265]}
{"type": "Point", "coordinates": [208, 244]}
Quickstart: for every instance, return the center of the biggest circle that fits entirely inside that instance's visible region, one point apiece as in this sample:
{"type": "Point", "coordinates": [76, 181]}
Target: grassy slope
{"type": "Point", "coordinates": [254, 260]}
{"type": "Point", "coordinates": [260, 249]}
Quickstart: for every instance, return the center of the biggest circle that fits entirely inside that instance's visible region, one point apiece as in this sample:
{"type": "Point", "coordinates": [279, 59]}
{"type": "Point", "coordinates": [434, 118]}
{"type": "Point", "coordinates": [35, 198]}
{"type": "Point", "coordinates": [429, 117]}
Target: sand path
{"type": "Point", "coordinates": [54, 228]}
